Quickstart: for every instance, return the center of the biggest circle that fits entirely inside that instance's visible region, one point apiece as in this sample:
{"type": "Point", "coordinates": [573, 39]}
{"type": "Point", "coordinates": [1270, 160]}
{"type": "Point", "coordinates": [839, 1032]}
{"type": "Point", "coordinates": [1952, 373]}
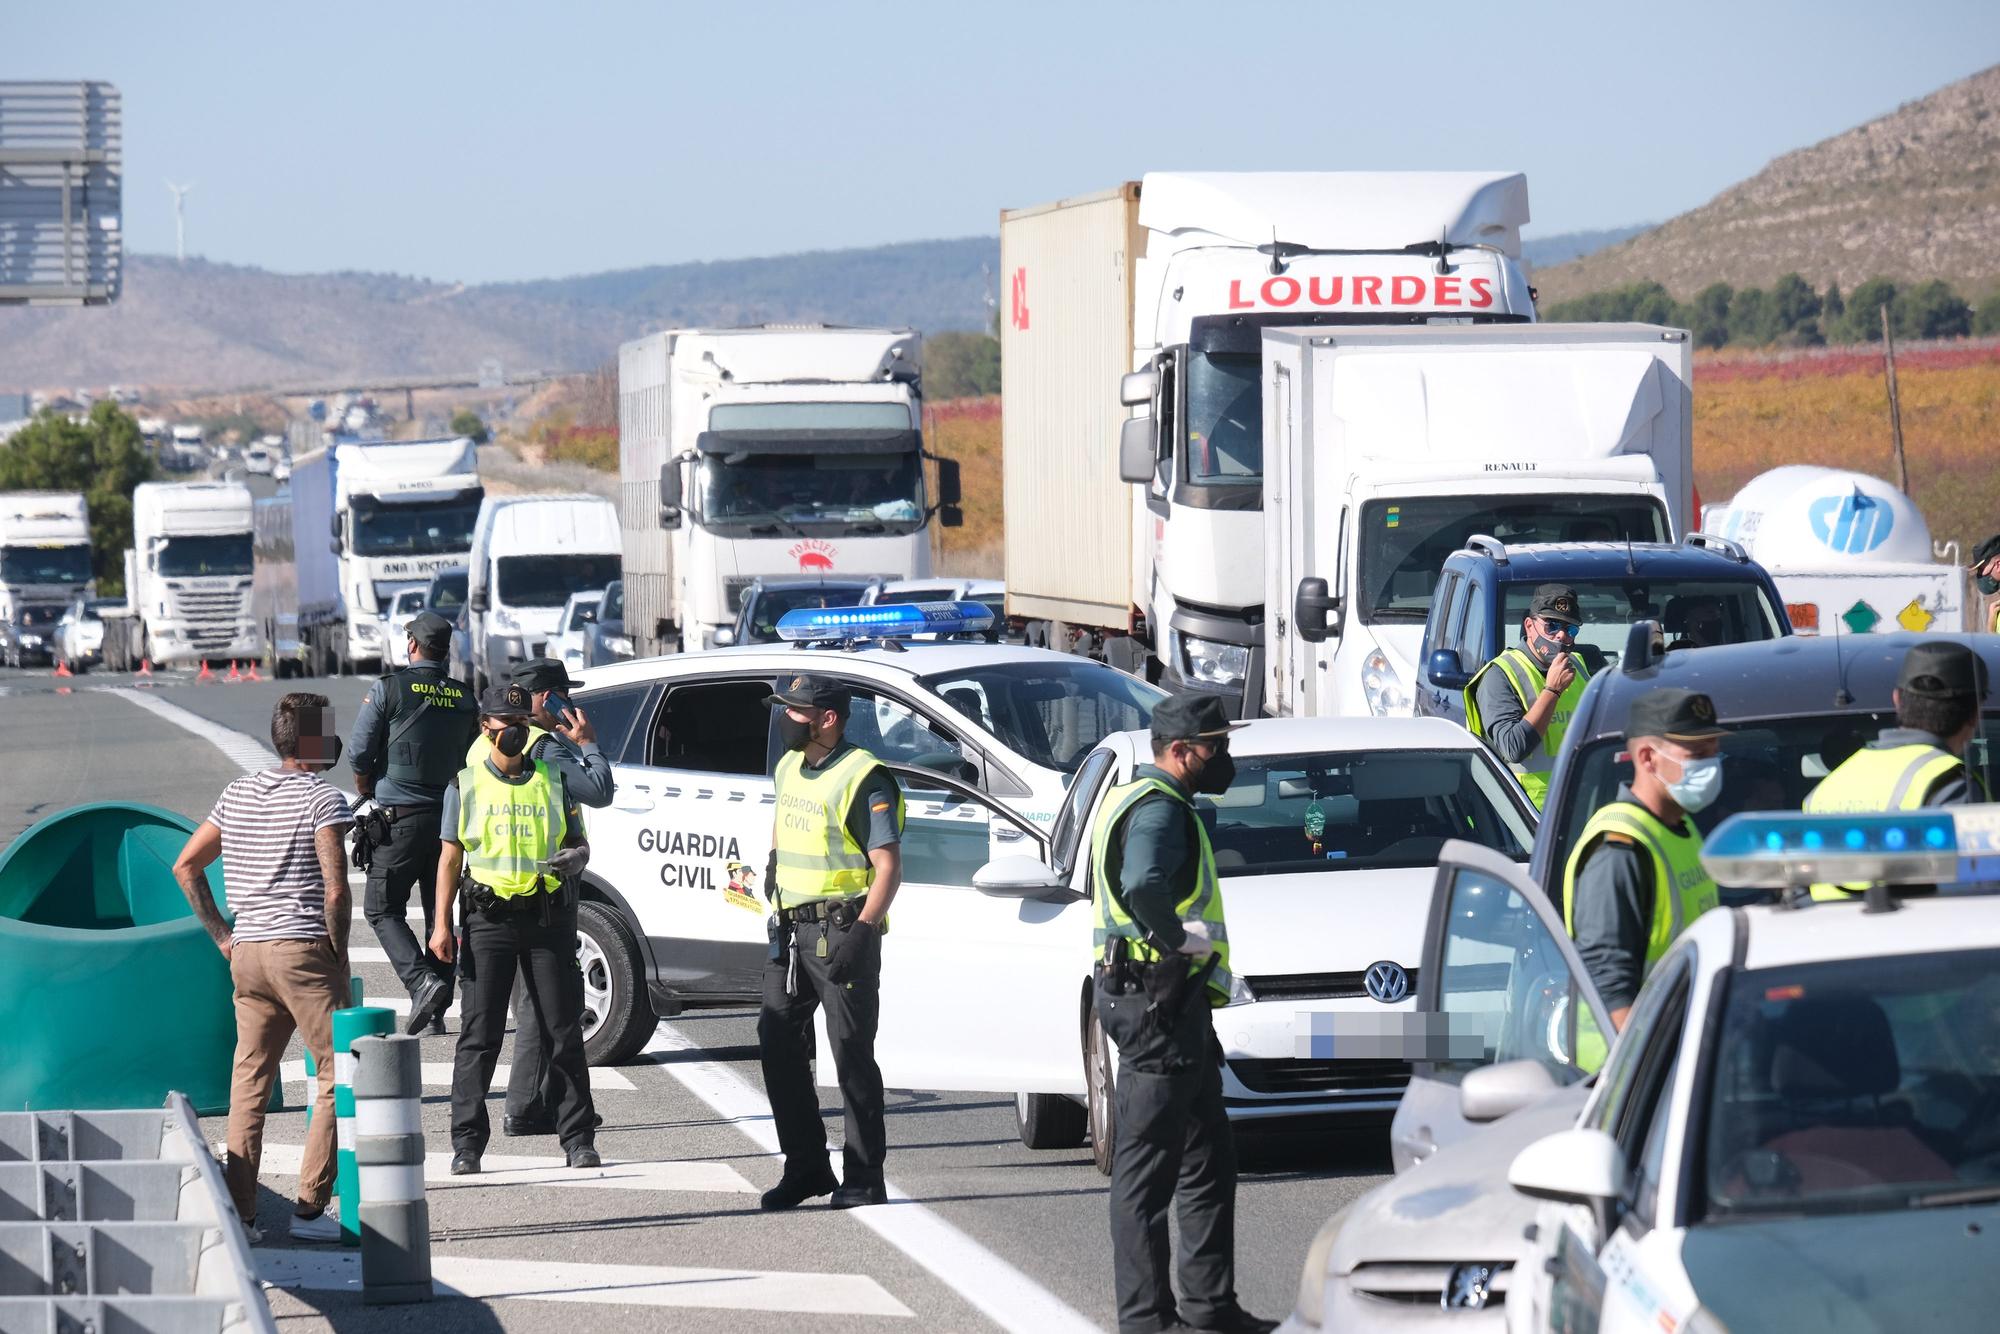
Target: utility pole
{"type": "Point", "coordinates": [181, 192]}
{"type": "Point", "coordinates": [1895, 404]}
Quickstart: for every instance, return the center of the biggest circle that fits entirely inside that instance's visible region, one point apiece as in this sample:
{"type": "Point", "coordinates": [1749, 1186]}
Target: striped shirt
{"type": "Point", "coordinates": [270, 866]}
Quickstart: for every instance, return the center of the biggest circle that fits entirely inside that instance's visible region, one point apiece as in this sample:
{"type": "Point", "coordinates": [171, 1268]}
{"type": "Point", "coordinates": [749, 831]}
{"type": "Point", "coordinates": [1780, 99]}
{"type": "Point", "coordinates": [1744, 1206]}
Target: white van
{"type": "Point", "coordinates": [529, 553]}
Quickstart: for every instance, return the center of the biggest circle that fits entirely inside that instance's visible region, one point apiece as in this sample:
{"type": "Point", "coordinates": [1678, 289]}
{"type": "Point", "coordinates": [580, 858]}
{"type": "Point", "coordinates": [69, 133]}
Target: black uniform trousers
{"type": "Point", "coordinates": [785, 1035]}
{"type": "Point", "coordinates": [531, 1082]}
{"type": "Point", "coordinates": [408, 861]}
{"type": "Point", "coordinates": [1172, 1146]}
{"type": "Point", "coordinates": [495, 947]}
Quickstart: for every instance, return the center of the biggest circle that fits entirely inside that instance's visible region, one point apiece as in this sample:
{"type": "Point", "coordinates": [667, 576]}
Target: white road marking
{"type": "Point", "coordinates": [504, 1169]}
{"type": "Point", "coordinates": [999, 1291]}
{"type": "Point", "coordinates": [366, 954]}
{"type": "Point", "coordinates": [623, 1285]}
{"type": "Point", "coordinates": [437, 1074]}
{"type": "Point", "coordinates": [240, 748]}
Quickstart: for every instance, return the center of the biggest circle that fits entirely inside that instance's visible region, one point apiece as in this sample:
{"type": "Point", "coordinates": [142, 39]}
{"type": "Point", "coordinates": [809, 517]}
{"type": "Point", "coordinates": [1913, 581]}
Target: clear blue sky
{"type": "Point", "coordinates": [501, 140]}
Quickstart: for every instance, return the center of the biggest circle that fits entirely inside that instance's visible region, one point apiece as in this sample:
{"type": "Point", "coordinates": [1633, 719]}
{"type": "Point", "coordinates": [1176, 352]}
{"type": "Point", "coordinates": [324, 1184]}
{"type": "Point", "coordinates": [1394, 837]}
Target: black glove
{"type": "Point", "coordinates": [847, 956]}
{"type": "Point", "coordinates": [570, 861]}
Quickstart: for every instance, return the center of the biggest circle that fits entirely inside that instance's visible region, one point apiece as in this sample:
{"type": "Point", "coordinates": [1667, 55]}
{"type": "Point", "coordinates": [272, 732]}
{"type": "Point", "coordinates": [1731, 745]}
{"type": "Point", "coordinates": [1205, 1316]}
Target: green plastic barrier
{"type": "Point", "coordinates": [111, 994]}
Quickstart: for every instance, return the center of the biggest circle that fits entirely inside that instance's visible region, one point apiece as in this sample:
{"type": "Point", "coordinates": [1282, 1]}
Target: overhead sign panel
{"type": "Point", "coordinates": [61, 239]}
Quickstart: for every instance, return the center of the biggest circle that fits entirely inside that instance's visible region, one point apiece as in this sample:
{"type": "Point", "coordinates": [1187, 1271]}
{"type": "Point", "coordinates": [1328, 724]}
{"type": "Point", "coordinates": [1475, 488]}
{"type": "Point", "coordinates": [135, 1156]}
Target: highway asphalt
{"type": "Point", "coordinates": [669, 1234]}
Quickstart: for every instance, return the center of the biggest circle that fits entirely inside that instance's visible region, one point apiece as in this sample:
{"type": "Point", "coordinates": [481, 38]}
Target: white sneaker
{"type": "Point", "coordinates": [254, 1233]}
{"type": "Point", "coordinates": [323, 1228]}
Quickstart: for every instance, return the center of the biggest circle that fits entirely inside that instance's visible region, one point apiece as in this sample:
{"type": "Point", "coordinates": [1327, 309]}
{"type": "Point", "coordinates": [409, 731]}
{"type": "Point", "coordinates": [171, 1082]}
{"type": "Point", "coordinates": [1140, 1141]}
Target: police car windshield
{"type": "Point", "coordinates": [1051, 714]}
{"type": "Point", "coordinates": [1404, 543]}
{"type": "Point", "coordinates": [1855, 1085]}
{"type": "Point", "coordinates": [1294, 814]}
{"type": "Point", "coordinates": [1694, 613]}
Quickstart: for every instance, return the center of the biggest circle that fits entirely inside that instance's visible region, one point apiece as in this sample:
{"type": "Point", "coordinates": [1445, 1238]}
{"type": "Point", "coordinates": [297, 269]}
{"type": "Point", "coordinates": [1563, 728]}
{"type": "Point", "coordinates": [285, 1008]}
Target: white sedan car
{"type": "Point", "coordinates": [395, 641]}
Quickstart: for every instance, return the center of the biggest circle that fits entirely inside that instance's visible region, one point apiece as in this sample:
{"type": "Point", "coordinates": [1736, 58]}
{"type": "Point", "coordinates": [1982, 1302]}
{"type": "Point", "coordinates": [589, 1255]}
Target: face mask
{"type": "Point", "coordinates": [510, 741]}
{"type": "Point", "coordinates": [1699, 785]}
{"type": "Point", "coordinates": [1988, 585]}
{"type": "Point", "coordinates": [1216, 775]}
{"type": "Point", "coordinates": [795, 734]}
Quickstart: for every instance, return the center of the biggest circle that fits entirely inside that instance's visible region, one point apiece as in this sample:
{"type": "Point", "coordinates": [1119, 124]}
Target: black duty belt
{"type": "Point", "coordinates": [841, 912]}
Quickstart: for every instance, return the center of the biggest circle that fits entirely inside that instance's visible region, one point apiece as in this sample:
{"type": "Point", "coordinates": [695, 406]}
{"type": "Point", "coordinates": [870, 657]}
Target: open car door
{"type": "Point", "coordinates": [1498, 981]}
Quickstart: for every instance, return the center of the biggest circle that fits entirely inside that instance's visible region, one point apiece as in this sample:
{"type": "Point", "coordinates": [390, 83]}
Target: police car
{"type": "Point", "coordinates": [674, 905]}
{"type": "Point", "coordinates": [1796, 1129]}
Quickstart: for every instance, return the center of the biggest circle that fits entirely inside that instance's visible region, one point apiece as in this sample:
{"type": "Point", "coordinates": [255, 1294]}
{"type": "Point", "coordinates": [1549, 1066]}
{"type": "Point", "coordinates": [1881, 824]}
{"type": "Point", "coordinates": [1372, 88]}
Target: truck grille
{"type": "Point", "coordinates": [212, 617]}
{"type": "Point", "coordinates": [1299, 1078]}
{"type": "Point", "coordinates": [1316, 986]}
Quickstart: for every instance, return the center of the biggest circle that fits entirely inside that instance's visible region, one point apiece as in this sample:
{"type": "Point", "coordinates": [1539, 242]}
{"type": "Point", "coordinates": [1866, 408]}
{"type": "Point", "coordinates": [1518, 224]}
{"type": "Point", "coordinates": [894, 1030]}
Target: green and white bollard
{"type": "Point", "coordinates": [389, 1155]}
{"type": "Point", "coordinates": [349, 1026]}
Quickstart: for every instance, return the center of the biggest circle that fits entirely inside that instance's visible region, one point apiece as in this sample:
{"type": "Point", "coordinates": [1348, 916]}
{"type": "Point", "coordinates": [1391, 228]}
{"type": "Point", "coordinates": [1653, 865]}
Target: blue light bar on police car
{"type": "Point", "coordinates": [1775, 850]}
{"type": "Point", "coordinates": [895, 620]}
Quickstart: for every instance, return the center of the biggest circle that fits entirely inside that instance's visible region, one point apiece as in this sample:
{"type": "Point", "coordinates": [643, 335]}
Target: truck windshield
{"type": "Point", "coordinates": [1302, 814]}
{"type": "Point", "coordinates": [1694, 613]}
{"type": "Point", "coordinates": [775, 495]}
{"type": "Point", "coordinates": [548, 580]}
{"type": "Point", "coordinates": [773, 601]}
{"type": "Point", "coordinates": [1404, 543]}
{"type": "Point", "coordinates": [1050, 714]}
{"type": "Point", "coordinates": [1225, 419]}
{"type": "Point", "coordinates": [427, 528]}
{"type": "Point", "coordinates": [44, 565]}
{"type": "Point", "coordinates": [196, 557]}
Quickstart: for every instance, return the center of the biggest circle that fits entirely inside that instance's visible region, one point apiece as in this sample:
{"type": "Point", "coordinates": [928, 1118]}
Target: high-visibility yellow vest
{"type": "Point", "coordinates": [1682, 891]}
{"type": "Point", "coordinates": [817, 856]}
{"type": "Point", "coordinates": [1526, 676]}
{"type": "Point", "coordinates": [510, 830]}
{"type": "Point", "coordinates": [1203, 903]}
{"type": "Point", "coordinates": [476, 753]}
{"type": "Point", "coordinates": [1885, 778]}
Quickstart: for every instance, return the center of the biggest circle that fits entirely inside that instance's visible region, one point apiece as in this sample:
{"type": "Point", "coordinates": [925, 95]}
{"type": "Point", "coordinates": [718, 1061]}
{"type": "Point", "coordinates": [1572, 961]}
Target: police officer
{"type": "Point", "coordinates": [1921, 761]}
{"type": "Point", "coordinates": [414, 725]}
{"type": "Point", "coordinates": [510, 826]}
{"type": "Point", "coordinates": [1163, 961]}
{"type": "Point", "coordinates": [1520, 703]}
{"type": "Point", "coordinates": [561, 735]}
{"type": "Point", "coordinates": [1636, 880]}
{"type": "Point", "coordinates": [836, 862]}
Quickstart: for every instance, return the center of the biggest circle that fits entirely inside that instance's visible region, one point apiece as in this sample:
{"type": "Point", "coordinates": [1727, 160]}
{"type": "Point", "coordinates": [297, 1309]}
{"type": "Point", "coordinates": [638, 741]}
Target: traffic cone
{"type": "Point", "coordinates": [62, 668]}
{"type": "Point", "coordinates": [204, 674]}
{"type": "Point", "coordinates": [234, 675]}
{"type": "Point", "coordinates": [144, 679]}
{"type": "Point", "coordinates": [253, 674]}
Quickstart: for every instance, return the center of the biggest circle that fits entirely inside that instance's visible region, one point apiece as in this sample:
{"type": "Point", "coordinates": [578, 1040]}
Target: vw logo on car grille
{"type": "Point", "coordinates": [1386, 982]}
{"type": "Point", "coordinates": [1469, 1288]}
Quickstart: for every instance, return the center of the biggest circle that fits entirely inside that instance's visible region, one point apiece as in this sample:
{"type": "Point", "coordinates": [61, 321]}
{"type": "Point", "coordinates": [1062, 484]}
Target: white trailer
{"type": "Point", "coordinates": [1850, 553]}
{"type": "Point", "coordinates": [1391, 447]}
{"type": "Point", "coordinates": [529, 554]}
{"type": "Point", "coordinates": [764, 451]}
{"type": "Point", "coordinates": [189, 573]}
{"type": "Point", "coordinates": [368, 520]}
{"type": "Point", "coordinates": [1154, 562]}
{"type": "Point", "coordinates": [44, 550]}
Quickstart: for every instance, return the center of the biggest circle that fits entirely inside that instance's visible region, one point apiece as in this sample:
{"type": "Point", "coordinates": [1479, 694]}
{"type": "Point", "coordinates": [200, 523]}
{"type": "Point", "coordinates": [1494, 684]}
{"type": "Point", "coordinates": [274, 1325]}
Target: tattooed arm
{"type": "Point", "coordinates": [332, 848]}
{"type": "Point", "coordinates": [202, 848]}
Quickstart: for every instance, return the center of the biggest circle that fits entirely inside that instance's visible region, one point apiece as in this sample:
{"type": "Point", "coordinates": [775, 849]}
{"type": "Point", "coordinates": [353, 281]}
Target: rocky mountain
{"type": "Point", "coordinates": [1912, 195]}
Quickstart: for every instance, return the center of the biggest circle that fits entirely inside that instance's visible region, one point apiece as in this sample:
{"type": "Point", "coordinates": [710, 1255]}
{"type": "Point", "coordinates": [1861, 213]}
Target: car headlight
{"type": "Point", "coordinates": [1311, 1305]}
{"type": "Point", "coordinates": [1239, 992]}
{"type": "Point", "coordinates": [1212, 662]}
{"type": "Point", "coordinates": [1382, 688]}
{"type": "Point", "coordinates": [619, 644]}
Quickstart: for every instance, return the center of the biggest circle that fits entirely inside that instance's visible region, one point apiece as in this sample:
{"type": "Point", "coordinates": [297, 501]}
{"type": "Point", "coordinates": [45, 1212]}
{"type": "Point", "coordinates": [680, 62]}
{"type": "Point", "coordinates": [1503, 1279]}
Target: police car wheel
{"type": "Point", "coordinates": [1098, 1093]}
{"type": "Point", "coordinates": [617, 1017]}
{"type": "Point", "coordinates": [1050, 1120]}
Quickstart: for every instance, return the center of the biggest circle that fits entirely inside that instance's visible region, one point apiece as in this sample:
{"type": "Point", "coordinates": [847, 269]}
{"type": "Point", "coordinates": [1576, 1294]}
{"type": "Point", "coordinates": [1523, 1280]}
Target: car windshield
{"type": "Point", "coordinates": [447, 591]}
{"type": "Point", "coordinates": [1288, 814]}
{"type": "Point", "coordinates": [771, 603]}
{"type": "Point", "coordinates": [812, 495]}
{"type": "Point", "coordinates": [613, 610]}
{"type": "Point", "coordinates": [196, 557]}
{"type": "Point", "coordinates": [45, 565]}
{"type": "Point", "coordinates": [1694, 613]}
{"type": "Point", "coordinates": [548, 581]}
{"type": "Point", "coordinates": [1404, 543]}
{"type": "Point", "coordinates": [1856, 1085]}
{"type": "Point", "coordinates": [1051, 714]}
{"type": "Point", "coordinates": [424, 528]}
{"type": "Point", "coordinates": [1225, 420]}
{"type": "Point", "coordinates": [580, 615]}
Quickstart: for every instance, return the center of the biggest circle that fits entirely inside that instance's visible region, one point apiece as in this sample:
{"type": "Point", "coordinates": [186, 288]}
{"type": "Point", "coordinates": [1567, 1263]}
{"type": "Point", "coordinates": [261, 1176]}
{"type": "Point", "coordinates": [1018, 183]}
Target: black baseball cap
{"type": "Point", "coordinates": [506, 700]}
{"type": "Point", "coordinates": [1940, 669]}
{"type": "Point", "coordinates": [1986, 550]}
{"type": "Point", "coordinates": [1557, 602]}
{"type": "Point", "coordinates": [431, 631]}
{"type": "Point", "coordinates": [1191, 717]}
{"type": "Point", "coordinates": [1673, 713]}
{"type": "Point", "coordinates": [539, 674]}
{"type": "Point", "coordinates": [812, 692]}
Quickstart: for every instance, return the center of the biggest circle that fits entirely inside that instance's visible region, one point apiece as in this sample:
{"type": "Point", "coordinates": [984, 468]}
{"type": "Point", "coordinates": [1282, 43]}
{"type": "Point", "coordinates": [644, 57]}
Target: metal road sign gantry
{"type": "Point", "coordinates": [61, 234]}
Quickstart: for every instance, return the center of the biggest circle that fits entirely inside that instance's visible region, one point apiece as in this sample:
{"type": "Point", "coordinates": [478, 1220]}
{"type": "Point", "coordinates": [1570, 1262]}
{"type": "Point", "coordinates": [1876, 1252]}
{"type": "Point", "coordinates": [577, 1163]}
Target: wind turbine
{"type": "Point", "coordinates": [181, 192]}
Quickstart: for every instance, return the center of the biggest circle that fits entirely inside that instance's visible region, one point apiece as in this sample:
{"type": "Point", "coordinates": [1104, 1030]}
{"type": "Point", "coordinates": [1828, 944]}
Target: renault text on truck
{"type": "Point", "coordinates": [1171, 279]}
{"type": "Point", "coordinates": [188, 574]}
{"type": "Point", "coordinates": [529, 554]}
{"type": "Point", "coordinates": [767, 451]}
{"type": "Point", "coordinates": [44, 550]}
{"type": "Point", "coordinates": [368, 520]}
{"type": "Point", "coordinates": [1391, 448]}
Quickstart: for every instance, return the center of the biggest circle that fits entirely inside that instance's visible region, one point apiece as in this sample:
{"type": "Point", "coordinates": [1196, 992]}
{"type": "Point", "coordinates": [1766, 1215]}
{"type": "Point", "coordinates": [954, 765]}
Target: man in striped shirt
{"type": "Point", "coordinates": [284, 868]}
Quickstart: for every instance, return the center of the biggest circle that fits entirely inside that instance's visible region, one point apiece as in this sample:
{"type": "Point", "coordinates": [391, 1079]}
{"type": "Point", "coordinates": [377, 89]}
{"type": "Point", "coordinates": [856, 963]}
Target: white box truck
{"type": "Point", "coordinates": [777, 450]}
{"type": "Point", "coordinates": [529, 553]}
{"type": "Point", "coordinates": [1172, 279]}
{"type": "Point", "coordinates": [368, 520]}
{"type": "Point", "coordinates": [188, 576]}
{"type": "Point", "coordinates": [44, 550]}
{"type": "Point", "coordinates": [1391, 447]}
{"type": "Point", "coordinates": [1850, 553]}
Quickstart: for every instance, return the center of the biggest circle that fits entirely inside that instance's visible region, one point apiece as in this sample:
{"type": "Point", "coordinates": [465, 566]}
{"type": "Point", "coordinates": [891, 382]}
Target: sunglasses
{"type": "Point", "coordinates": [1562, 628]}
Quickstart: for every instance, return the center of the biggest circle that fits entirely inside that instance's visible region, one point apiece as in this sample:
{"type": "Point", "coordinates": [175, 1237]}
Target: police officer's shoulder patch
{"type": "Point", "coordinates": [1612, 836]}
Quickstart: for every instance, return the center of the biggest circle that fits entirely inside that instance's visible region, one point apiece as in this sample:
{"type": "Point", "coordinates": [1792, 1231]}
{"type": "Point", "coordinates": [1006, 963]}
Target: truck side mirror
{"type": "Point", "coordinates": [670, 495]}
{"type": "Point", "coordinates": [1311, 607]}
{"type": "Point", "coordinates": [1447, 672]}
{"type": "Point", "coordinates": [334, 525]}
{"type": "Point", "coordinates": [1135, 448]}
{"type": "Point", "coordinates": [334, 546]}
{"type": "Point", "coordinates": [479, 602]}
{"type": "Point", "coordinates": [949, 492]}
{"type": "Point", "coordinates": [950, 516]}
{"type": "Point", "coordinates": [1136, 389]}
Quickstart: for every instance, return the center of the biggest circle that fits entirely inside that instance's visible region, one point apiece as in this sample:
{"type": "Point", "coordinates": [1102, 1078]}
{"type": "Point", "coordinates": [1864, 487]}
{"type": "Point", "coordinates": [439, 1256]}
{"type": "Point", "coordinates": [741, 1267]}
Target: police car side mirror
{"type": "Point", "coordinates": [1572, 1167]}
{"type": "Point", "coordinates": [1447, 671]}
{"type": "Point", "coordinates": [1494, 1091]}
{"type": "Point", "coordinates": [1017, 878]}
